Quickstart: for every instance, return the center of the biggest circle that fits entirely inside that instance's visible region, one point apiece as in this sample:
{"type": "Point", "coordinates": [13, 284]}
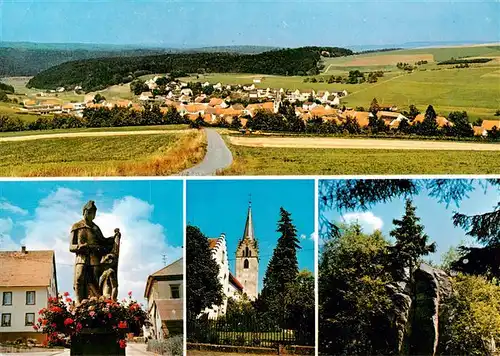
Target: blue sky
{"type": "Point", "coordinates": [436, 217]}
{"type": "Point", "coordinates": [148, 213]}
{"type": "Point", "coordinates": [249, 22]}
{"type": "Point", "coordinates": [221, 207]}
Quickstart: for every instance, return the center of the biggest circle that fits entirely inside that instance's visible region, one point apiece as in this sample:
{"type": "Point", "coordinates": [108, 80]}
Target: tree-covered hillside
{"type": "Point", "coordinates": [96, 74]}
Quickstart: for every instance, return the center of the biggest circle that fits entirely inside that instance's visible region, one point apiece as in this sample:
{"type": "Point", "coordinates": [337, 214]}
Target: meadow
{"type": "Point", "coordinates": [321, 161]}
{"type": "Point", "coordinates": [144, 155]}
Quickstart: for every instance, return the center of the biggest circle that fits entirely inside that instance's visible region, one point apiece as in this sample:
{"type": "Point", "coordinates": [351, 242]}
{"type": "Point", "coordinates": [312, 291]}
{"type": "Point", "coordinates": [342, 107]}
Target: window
{"type": "Point", "coordinates": [29, 319]}
{"type": "Point", "coordinates": [7, 298]}
{"type": "Point", "coordinates": [30, 298]}
{"type": "Point", "coordinates": [245, 264]}
{"type": "Point", "coordinates": [223, 255]}
{"type": "Point", "coordinates": [247, 252]}
{"type": "Point", "coordinates": [175, 291]}
{"type": "Point", "coordinates": [6, 319]}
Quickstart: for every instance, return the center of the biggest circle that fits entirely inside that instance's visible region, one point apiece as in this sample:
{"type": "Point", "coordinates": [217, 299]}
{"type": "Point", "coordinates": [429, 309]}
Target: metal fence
{"type": "Point", "coordinates": [248, 332]}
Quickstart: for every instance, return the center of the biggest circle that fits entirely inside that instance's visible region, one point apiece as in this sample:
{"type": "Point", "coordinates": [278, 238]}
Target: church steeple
{"type": "Point", "coordinates": [247, 258]}
{"type": "Point", "coordinates": [249, 231]}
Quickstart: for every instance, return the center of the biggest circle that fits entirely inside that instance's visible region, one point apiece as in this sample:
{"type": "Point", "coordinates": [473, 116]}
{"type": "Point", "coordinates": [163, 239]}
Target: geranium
{"type": "Point", "coordinates": [66, 294]}
{"type": "Point", "coordinates": [130, 294]}
{"type": "Point", "coordinates": [63, 319]}
{"type": "Point", "coordinates": [123, 344]}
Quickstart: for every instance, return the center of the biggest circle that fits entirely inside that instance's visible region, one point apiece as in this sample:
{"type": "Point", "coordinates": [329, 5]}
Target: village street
{"type": "Point", "coordinates": [133, 349]}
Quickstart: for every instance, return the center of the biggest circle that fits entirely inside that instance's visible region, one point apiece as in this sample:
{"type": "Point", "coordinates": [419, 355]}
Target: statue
{"type": "Point", "coordinates": [96, 262]}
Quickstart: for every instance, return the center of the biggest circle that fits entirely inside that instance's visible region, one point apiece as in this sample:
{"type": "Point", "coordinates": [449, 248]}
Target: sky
{"type": "Point", "coordinates": [149, 215]}
{"type": "Point", "coordinates": [249, 22]}
{"type": "Point", "coordinates": [436, 217]}
{"type": "Point", "coordinates": [221, 207]}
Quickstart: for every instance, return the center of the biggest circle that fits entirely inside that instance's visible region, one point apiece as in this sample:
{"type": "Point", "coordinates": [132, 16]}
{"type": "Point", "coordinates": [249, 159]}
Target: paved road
{"type": "Point", "coordinates": [217, 158]}
{"type": "Point", "coordinates": [133, 349]}
{"type": "Point", "coordinates": [88, 134]}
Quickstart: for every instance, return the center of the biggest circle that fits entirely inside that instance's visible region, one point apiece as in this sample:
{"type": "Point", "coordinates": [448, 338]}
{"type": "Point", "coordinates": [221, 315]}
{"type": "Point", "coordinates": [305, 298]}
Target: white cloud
{"type": "Point", "coordinates": [5, 205]}
{"type": "Point", "coordinates": [368, 221]}
{"type": "Point", "coordinates": [6, 242]}
{"type": "Point", "coordinates": [142, 245]}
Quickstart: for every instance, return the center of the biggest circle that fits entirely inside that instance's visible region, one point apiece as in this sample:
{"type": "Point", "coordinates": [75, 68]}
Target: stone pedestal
{"type": "Point", "coordinates": [95, 342]}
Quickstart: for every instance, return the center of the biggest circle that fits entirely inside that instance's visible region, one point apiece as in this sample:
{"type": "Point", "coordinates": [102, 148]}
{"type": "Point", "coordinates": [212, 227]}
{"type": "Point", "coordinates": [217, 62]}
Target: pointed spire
{"type": "Point", "coordinates": [249, 232]}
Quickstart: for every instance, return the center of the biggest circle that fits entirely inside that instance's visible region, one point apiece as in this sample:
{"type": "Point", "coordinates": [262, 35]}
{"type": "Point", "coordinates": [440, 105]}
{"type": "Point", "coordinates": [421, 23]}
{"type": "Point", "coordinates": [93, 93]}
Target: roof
{"type": "Point", "coordinates": [27, 269]}
{"type": "Point", "coordinates": [489, 124]}
{"type": "Point", "coordinates": [212, 243]}
{"type": "Point", "coordinates": [478, 130]}
{"type": "Point", "coordinates": [170, 309]}
{"type": "Point", "coordinates": [215, 101]}
{"type": "Point", "coordinates": [441, 120]}
{"type": "Point", "coordinates": [249, 230]}
{"type": "Point", "coordinates": [173, 269]}
{"type": "Point", "coordinates": [362, 117]}
{"type": "Point", "coordinates": [391, 114]}
{"type": "Point", "coordinates": [235, 282]}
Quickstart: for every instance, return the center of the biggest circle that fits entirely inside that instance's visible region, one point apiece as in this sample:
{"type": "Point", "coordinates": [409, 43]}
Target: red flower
{"type": "Point", "coordinates": [35, 327]}
{"type": "Point", "coordinates": [54, 325]}
{"type": "Point", "coordinates": [110, 315]}
{"type": "Point", "coordinates": [44, 322]}
{"type": "Point", "coordinates": [79, 327]}
{"type": "Point", "coordinates": [130, 293]}
{"type": "Point", "coordinates": [68, 300]}
{"type": "Point", "coordinates": [56, 309]}
{"type": "Point", "coordinates": [68, 321]}
{"type": "Point", "coordinates": [122, 325]}
{"type": "Point", "coordinates": [39, 320]}
{"type": "Point", "coordinates": [123, 344]}
{"type": "Point", "coordinates": [66, 294]}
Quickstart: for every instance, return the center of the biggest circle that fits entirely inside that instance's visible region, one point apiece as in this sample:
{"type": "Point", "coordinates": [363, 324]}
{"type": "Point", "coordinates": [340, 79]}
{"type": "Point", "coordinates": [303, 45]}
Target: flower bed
{"type": "Point", "coordinates": [64, 321]}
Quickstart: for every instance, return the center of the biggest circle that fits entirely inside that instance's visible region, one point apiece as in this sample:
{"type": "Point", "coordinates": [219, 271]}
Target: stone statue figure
{"type": "Point", "coordinates": [96, 257]}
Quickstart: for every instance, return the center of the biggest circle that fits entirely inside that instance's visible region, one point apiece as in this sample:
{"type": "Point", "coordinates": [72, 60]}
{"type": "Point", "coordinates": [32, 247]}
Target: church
{"type": "Point", "coordinates": [245, 279]}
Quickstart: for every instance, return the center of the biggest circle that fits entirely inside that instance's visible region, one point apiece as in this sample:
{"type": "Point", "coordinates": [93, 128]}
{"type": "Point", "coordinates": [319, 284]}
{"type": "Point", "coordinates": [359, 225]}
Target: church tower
{"type": "Point", "coordinates": [247, 259]}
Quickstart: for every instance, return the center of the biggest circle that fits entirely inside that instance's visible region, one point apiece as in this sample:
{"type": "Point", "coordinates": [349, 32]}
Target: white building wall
{"type": "Point", "coordinates": [220, 255]}
{"type": "Point", "coordinates": [18, 309]}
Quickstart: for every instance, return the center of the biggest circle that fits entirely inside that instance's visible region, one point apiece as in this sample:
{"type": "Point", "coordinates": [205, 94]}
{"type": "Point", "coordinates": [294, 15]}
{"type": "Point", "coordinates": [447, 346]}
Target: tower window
{"type": "Point", "coordinates": [247, 252]}
{"type": "Point", "coordinates": [245, 264]}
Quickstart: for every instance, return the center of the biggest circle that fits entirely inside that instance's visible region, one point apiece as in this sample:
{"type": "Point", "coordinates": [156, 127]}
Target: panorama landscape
{"type": "Point", "coordinates": [279, 91]}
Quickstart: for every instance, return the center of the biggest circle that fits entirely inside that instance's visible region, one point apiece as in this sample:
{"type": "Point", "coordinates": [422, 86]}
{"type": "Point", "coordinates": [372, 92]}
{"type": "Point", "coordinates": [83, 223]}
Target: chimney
{"type": "Point", "coordinates": [23, 249]}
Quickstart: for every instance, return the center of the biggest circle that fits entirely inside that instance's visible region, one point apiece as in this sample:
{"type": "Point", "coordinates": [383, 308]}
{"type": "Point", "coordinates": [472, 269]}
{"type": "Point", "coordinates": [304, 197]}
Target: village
{"type": "Point", "coordinates": [217, 102]}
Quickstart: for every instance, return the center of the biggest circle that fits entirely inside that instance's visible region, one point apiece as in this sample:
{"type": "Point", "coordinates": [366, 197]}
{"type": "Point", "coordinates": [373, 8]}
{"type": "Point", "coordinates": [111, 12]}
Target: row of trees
{"type": "Point", "coordinates": [354, 77]}
{"type": "Point", "coordinates": [287, 297]}
{"type": "Point", "coordinates": [356, 269]}
{"type": "Point", "coordinates": [97, 117]}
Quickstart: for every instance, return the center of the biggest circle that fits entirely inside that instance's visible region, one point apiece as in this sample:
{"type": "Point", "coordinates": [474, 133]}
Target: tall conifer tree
{"type": "Point", "coordinates": [411, 241]}
{"type": "Point", "coordinates": [282, 270]}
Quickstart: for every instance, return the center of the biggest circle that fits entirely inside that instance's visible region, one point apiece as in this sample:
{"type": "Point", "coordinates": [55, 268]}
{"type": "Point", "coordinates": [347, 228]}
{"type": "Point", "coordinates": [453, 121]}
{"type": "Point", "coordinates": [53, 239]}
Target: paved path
{"type": "Point", "coordinates": [217, 158]}
{"type": "Point", "coordinates": [88, 134]}
{"type": "Point", "coordinates": [362, 143]}
{"type": "Point", "coordinates": [133, 349]}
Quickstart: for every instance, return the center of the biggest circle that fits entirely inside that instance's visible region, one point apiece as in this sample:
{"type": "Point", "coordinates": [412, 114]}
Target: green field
{"type": "Point", "coordinates": [95, 129]}
{"type": "Point", "coordinates": [305, 161]}
{"type": "Point", "coordinates": [158, 154]}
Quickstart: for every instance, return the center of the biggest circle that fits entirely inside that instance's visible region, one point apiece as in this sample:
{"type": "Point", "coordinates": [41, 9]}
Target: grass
{"type": "Point", "coordinates": [95, 129]}
{"type": "Point", "coordinates": [305, 161]}
{"type": "Point", "coordinates": [146, 155]}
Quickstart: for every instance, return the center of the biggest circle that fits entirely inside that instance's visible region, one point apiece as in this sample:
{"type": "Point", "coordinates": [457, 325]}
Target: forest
{"type": "Point", "coordinates": [100, 73]}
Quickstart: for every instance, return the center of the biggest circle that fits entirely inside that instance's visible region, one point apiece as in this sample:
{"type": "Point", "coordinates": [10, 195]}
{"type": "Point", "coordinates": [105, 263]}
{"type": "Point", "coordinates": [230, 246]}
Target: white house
{"type": "Point", "coordinates": [165, 300]}
{"type": "Point", "coordinates": [187, 92]}
{"type": "Point", "coordinates": [146, 96]}
{"type": "Point", "coordinates": [27, 280]}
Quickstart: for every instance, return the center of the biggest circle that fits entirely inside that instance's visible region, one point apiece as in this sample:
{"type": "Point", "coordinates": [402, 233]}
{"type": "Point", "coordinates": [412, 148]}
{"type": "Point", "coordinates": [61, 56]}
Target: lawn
{"type": "Point", "coordinates": [310, 161]}
{"type": "Point", "coordinates": [95, 129]}
{"type": "Point", "coordinates": [158, 154]}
